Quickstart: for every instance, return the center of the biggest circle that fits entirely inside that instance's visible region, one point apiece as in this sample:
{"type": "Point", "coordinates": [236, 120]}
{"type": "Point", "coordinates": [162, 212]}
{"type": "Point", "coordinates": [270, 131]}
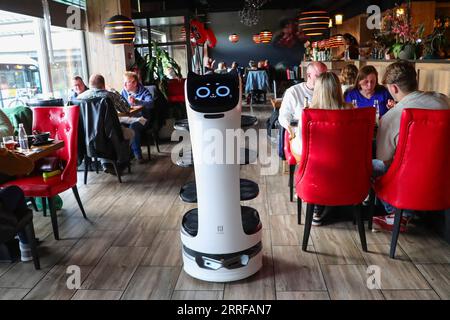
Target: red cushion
{"type": "Point", "coordinates": [419, 176]}
{"type": "Point", "coordinates": [287, 149]}
{"type": "Point", "coordinates": [175, 90]}
{"type": "Point", "coordinates": [336, 161]}
{"type": "Point", "coordinates": [35, 186]}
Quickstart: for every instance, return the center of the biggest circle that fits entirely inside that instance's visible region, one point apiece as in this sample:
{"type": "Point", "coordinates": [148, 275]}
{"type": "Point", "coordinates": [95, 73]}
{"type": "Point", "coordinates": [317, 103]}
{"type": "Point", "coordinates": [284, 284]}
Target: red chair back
{"type": "Point", "coordinates": [62, 123]}
{"type": "Point", "coordinates": [287, 149]}
{"type": "Point", "coordinates": [336, 162]}
{"type": "Point", "coordinates": [419, 176]}
{"type": "Point", "coordinates": [175, 90]}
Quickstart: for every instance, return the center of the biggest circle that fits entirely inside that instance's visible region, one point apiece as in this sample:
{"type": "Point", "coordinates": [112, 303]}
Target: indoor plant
{"type": "Point", "coordinates": [396, 24]}
{"type": "Point", "coordinates": [152, 67]}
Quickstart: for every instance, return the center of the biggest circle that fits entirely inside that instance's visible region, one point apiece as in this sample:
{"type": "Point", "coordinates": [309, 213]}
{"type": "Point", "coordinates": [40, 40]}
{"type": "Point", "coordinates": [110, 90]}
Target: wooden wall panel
{"type": "Point", "coordinates": [105, 58]}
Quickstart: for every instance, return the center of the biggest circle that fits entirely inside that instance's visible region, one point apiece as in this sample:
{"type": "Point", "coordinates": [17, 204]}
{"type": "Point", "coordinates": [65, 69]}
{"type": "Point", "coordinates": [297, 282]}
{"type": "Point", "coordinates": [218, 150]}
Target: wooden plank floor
{"type": "Point", "coordinates": [130, 247]}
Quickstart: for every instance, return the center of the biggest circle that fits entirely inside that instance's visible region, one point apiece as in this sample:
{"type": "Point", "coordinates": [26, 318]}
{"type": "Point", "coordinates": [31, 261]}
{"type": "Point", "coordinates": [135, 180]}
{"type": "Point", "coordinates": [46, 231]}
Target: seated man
{"type": "Point", "coordinates": [12, 198]}
{"type": "Point", "coordinates": [137, 95]}
{"type": "Point", "coordinates": [97, 89]}
{"type": "Point", "coordinates": [78, 87]}
{"type": "Point", "coordinates": [400, 79]}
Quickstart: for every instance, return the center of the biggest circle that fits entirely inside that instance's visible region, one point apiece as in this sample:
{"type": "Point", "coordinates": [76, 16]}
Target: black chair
{"type": "Point", "coordinates": [99, 134]}
{"type": "Point", "coordinates": [10, 226]}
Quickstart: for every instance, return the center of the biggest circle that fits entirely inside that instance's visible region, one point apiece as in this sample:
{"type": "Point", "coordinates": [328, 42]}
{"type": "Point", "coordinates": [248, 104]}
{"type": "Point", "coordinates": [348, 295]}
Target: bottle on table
{"type": "Point", "coordinates": [23, 139]}
{"type": "Point", "coordinates": [376, 105]}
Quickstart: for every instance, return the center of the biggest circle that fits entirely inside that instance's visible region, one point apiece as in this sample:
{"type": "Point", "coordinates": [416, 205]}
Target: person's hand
{"type": "Point", "coordinates": [390, 104]}
{"type": "Point", "coordinates": [291, 134]}
{"type": "Point", "coordinates": [132, 100]}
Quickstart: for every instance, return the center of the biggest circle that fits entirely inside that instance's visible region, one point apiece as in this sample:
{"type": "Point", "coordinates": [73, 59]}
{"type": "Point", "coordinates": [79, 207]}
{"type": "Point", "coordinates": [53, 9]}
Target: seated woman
{"type": "Point", "coordinates": [327, 95]}
{"type": "Point", "coordinates": [12, 198]}
{"type": "Point", "coordinates": [348, 77]}
{"type": "Point", "coordinates": [367, 90]}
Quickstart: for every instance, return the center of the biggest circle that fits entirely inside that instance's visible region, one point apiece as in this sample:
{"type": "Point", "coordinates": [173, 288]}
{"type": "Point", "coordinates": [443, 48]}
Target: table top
{"type": "Point", "coordinates": [133, 110]}
{"type": "Point", "coordinates": [37, 152]}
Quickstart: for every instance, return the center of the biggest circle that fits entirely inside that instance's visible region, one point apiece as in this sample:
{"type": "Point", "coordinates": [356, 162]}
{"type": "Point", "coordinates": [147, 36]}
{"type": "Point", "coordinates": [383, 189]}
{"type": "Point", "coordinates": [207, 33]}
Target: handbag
{"type": "Point", "coordinates": [48, 164]}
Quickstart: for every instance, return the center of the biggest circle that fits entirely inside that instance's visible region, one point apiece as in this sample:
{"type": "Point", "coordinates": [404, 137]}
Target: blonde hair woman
{"type": "Point", "coordinates": [348, 76]}
{"type": "Point", "coordinates": [327, 95]}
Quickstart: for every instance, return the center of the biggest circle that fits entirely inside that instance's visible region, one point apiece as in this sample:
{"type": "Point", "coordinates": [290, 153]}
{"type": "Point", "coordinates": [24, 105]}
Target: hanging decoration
{"type": "Point", "coordinates": [211, 40]}
{"type": "Point", "coordinates": [250, 14]}
{"type": "Point", "coordinates": [120, 30]}
{"type": "Point", "coordinates": [257, 38]}
{"type": "Point", "coordinates": [198, 32]}
{"type": "Point", "coordinates": [233, 38]}
{"type": "Point", "coordinates": [314, 23]}
{"type": "Point", "coordinates": [265, 36]}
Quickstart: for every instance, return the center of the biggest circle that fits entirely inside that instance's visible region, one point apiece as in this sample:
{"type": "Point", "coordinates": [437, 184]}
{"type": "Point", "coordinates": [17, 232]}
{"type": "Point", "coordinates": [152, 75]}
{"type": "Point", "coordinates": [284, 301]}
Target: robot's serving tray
{"type": "Point", "coordinates": [250, 221]}
{"type": "Point", "coordinates": [249, 191]}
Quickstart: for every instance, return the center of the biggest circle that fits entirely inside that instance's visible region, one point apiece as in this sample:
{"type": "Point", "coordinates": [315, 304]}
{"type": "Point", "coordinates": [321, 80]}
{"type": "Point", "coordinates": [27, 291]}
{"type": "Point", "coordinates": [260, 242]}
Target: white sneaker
{"type": "Point", "coordinates": [25, 252]}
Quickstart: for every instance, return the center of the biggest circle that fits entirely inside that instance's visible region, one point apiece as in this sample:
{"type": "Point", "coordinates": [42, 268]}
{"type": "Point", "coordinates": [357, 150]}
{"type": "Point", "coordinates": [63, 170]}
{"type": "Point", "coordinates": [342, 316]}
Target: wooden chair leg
{"type": "Point", "coordinates": [299, 210]}
{"type": "Point", "coordinates": [308, 223]}
{"type": "Point", "coordinates": [117, 171]}
{"type": "Point", "coordinates": [54, 217]}
{"type": "Point", "coordinates": [77, 196]}
{"type": "Point", "coordinates": [31, 237]}
{"type": "Point", "coordinates": [291, 182]}
{"type": "Point", "coordinates": [395, 232]}
{"type": "Point", "coordinates": [44, 206]}
{"type": "Point", "coordinates": [360, 222]}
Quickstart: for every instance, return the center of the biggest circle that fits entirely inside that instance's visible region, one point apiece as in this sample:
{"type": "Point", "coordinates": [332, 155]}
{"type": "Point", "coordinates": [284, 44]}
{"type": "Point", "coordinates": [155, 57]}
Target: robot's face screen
{"type": "Point", "coordinates": [213, 93]}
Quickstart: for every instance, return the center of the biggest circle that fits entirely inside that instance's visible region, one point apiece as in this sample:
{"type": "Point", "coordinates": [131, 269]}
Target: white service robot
{"type": "Point", "coordinates": [221, 240]}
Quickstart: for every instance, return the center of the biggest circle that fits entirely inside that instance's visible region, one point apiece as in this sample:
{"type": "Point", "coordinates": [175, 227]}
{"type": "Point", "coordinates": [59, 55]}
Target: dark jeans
{"type": "Point", "coordinates": [138, 129]}
{"type": "Point", "coordinates": [13, 200]}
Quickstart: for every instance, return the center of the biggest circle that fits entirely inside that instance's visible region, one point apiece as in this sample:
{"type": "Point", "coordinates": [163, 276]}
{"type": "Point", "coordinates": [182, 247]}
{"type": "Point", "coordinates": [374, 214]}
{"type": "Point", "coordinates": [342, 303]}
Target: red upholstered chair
{"type": "Point", "coordinates": [62, 123]}
{"type": "Point", "coordinates": [175, 90]}
{"type": "Point", "coordinates": [291, 161]}
{"type": "Point", "coordinates": [336, 161]}
{"type": "Point", "coordinates": [419, 176]}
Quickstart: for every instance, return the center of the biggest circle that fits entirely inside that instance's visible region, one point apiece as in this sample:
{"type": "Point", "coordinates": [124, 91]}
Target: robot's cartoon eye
{"type": "Point", "coordinates": [222, 91]}
{"type": "Point", "coordinates": [203, 92]}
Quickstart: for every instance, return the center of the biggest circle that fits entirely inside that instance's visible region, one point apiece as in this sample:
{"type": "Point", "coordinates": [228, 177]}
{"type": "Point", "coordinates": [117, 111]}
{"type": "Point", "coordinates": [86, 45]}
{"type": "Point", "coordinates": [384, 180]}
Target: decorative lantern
{"type": "Point", "coordinates": [120, 30]}
{"type": "Point", "coordinates": [257, 38]}
{"type": "Point", "coordinates": [233, 38]}
{"type": "Point", "coordinates": [336, 41]}
{"type": "Point", "coordinates": [265, 36]}
{"type": "Point", "coordinates": [314, 23]}
{"type": "Point", "coordinates": [338, 19]}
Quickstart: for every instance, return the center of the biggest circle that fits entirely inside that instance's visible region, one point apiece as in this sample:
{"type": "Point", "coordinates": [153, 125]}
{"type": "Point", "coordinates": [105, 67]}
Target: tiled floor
{"type": "Point", "coordinates": [130, 247]}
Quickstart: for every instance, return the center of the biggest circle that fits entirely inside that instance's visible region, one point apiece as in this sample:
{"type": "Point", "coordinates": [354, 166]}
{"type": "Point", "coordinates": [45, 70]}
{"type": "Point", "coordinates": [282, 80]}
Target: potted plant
{"type": "Point", "coordinates": [152, 67]}
{"type": "Point", "coordinates": [396, 24]}
{"type": "Point", "coordinates": [436, 43]}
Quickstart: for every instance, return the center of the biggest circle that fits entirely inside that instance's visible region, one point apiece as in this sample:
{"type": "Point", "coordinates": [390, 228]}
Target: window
{"type": "Point", "coordinates": [67, 59]}
{"type": "Point", "coordinates": [23, 65]}
{"type": "Point", "coordinates": [169, 33]}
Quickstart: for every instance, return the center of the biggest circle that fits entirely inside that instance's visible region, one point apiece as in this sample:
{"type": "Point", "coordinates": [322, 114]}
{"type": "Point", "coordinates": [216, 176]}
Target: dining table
{"type": "Point", "coordinates": [133, 110]}
{"type": "Point", "coordinates": [38, 152]}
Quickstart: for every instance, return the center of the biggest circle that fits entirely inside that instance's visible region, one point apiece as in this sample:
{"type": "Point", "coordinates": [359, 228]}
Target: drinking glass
{"type": "Point", "coordinates": [9, 142]}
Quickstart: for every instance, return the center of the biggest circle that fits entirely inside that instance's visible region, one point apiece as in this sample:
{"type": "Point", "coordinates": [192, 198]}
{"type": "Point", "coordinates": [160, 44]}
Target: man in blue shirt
{"type": "Point", "coordinates": [137, 95]}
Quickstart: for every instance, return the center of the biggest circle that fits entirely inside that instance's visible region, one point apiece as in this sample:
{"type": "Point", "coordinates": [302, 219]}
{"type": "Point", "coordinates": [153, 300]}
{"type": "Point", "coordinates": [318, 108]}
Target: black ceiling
{"type": "Point", "coordinates": [347, 7]}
